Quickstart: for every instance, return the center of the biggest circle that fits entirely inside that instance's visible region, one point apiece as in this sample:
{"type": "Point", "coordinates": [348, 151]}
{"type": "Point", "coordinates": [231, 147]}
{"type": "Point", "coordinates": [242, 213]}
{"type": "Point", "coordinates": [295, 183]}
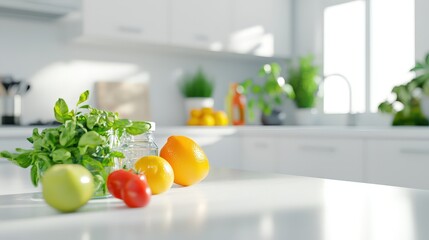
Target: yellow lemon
{"type": "Point", "coordinates": [158, 171]}
{"type": "Point", "coordinates": [193, 121]}
{"type": "Point", "coordinates": [220, 118]}
{"type": "Point", "coordinates": [207, 120]}
{"type": "Point", "coordinates": [207, 110]}
{"type": "Point", "coordinates": [196, 113]}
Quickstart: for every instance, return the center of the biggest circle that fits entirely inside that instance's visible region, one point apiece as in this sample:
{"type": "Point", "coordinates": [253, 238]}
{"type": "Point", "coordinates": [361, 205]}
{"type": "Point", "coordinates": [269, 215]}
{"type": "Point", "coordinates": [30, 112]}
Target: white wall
{"type": "Point", "coordinates": [33, 49]}
{"type": "Point", "coordinates": [422, 30]}
{"type": "Point", "coordinates": [307, 28]}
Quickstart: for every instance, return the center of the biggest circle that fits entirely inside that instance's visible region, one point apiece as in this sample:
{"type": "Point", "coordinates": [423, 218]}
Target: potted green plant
{"type": "Point", "coordinates": [197, 89]}
{"type": "Point", "coordinates": [406, 106]}
{"type": "Point", "coordinates": [303, 79]}
{"type": "Point", "coordinates": [421, 70]}
{"type": "Point", "coordinates": [267, 93]}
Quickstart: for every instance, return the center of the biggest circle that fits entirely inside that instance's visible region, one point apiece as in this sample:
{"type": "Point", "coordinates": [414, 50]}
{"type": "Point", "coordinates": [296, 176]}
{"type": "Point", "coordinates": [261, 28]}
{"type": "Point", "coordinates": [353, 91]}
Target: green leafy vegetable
{"type": "Point", "coordinates": [84, 137]}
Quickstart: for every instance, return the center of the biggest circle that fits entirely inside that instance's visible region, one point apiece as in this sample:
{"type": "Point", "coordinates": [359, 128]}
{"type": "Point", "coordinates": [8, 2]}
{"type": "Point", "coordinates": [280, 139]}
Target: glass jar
{"type": "Point", "coordinates": [136, 147]}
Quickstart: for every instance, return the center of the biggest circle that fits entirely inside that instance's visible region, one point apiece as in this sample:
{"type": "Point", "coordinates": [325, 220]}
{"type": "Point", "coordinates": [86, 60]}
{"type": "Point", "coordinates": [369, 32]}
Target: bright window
{"type": "Point", "coordinates": [373, 57]}
{"type": "Point", "coordinates": [392, 46]}
{"type": "Point", "coordinates": [344, 53]}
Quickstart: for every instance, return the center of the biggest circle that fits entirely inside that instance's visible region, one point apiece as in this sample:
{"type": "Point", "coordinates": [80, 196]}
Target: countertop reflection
{"type": "Point", "coordinates": [232, 204]}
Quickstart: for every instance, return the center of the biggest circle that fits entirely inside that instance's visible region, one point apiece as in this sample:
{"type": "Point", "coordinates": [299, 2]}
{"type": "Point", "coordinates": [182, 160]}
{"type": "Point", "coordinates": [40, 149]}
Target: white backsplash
{"type": "Point", "coordinates": [33, 49]}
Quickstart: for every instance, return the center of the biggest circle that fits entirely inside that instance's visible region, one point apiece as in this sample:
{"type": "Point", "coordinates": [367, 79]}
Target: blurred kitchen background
{"type": "Point", "coordinates": [123, 50]}
{"type": "Point", "coordinates": [134, 54]}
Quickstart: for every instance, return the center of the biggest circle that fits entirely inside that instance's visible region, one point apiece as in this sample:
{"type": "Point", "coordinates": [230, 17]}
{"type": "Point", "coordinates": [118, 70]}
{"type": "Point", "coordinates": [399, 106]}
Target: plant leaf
{"type": "Point", "coordinates": [92, 165]}
{"type": "Point", "coordinates": [275, 69]}
{"type": "Point", "coordinates": [68, 133]}
{"type": "Point", "coordinates": [417, 67]}
{"type": "Point", "coordinates": [91, 139]}
{"type": "Point", "coordinates": [24, 160]}
{"type": "Point", "coordinates": [92, 120]}
{"type": "Point", "coordinates": [83, 97]}
{"type": "Point", "coordinates": [122, 123]}
{"type": "Point", "coordinates": [60, 155]}
{"type": "Point", "coordinates": [138, 127]}
{"type": "Point", "coordinates": [34, 175]}
{"type": "Point", "coordinates": [61, 110]}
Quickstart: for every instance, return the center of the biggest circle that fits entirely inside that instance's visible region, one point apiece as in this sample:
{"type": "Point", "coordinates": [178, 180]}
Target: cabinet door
{"type": "Point", "coordinates": [200, 23]}
{"type": "Point", "coordinates": [259, 154]}
{"type": "Point", "coordinates": [398, 163]}
{"type": "Point", "coordinates": [132, 19]}
{"type": "Point", "coordinates": [261, 27]}
{"type": "Point", "coordinates": [340, 159]}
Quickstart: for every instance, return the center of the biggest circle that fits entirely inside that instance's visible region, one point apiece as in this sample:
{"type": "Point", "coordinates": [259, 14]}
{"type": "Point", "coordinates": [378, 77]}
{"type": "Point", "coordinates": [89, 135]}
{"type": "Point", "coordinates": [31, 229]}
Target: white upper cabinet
{"type": "Point", "coordinates": [47, 8]}
{"type": "Point", "coordinates": [261, 27]}
{"type": "Point", "coordinates": [257, 27]}
{"type": "Point", "coordinates": [131, 19]}
{"type": "Point", "coordinates": [201, 23]}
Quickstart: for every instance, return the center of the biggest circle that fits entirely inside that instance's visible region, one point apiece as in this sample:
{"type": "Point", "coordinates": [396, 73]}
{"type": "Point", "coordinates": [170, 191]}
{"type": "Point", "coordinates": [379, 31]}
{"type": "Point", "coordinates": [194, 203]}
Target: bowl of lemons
{"type": "Point", "coordinates": [207, 117]}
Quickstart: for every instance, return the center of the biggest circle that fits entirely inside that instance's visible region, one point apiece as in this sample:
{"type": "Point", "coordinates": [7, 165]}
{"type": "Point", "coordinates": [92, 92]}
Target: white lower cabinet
{"type": "Point", "coordinates": [326, 158]}
{"type": "Point", "coordinates": [388, 161]}
{"type": "Point", "coordinates": [402, 163]}
{"type": "Point", "coordinates": [337, 158]}
{"type": "Point", "coordinates": [259, 153]}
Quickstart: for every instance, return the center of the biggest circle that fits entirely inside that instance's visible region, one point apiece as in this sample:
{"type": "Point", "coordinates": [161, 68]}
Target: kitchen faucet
{"type": "Point", "coordinates": [350, 118]}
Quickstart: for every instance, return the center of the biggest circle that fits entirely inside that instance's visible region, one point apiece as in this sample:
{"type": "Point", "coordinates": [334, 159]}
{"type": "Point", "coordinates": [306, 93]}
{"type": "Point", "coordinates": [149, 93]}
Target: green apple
{"type": "Point", "coordinates": [67, 187]}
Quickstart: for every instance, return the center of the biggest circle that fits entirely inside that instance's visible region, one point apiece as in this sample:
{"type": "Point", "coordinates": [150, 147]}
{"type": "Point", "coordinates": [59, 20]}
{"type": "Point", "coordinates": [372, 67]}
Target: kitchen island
{"type": "Point", "coordinates": [233, 204]}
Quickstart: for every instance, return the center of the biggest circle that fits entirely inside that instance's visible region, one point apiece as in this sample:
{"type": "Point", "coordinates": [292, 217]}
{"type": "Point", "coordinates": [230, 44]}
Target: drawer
{"type": "Point", "coordinates": [259, 154]}
{"type": "Point", "coordinates": [325, 158]}
{"type": "Point", "coordinates": [402, 163]}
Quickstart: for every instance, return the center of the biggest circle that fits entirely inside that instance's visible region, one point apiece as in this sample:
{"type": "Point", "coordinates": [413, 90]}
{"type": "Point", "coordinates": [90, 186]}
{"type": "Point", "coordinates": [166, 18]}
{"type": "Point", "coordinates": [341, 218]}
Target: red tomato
{"type": "Point", "coordinates": [136, 192]}
{"type": "Point", "coordinates": [116, 182]}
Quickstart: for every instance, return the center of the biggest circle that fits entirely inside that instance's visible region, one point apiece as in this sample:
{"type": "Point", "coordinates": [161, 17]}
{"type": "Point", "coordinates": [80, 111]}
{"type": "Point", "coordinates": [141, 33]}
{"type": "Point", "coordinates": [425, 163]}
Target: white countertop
{"type": "Point", "coordinates": [233, 205]}
{"type": "Point", "coordinates": [314, 131]}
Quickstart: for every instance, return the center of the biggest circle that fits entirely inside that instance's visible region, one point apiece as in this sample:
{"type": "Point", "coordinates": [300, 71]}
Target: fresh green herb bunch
{"type": "Point", "coordinates": [84, 137]}
{"type": "Point", "coordinates": [302, 78]}
{"type": "Point", "coordinates": [197, 85]}
{"type": "Point", "coordinates": [266, 92]}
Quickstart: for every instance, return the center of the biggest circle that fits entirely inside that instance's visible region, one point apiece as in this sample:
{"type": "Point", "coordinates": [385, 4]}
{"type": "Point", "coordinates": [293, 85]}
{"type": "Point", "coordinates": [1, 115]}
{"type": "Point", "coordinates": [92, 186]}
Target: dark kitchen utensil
{"type": "Point", "coordinates": [23, 88]}
{"type": "Point", "coordinates": [10, 85]}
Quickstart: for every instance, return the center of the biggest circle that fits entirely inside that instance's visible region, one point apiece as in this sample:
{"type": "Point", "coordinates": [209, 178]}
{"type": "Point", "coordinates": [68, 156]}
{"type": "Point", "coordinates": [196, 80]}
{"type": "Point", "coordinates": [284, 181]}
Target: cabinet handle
{"type": "Point", "coordinates": [260, 145]}
{"type": "Point", "coordinates": [201, 37]}
{"type": "Point", "coordinates": [320, 149]}
{"type": "Point", "coordinates": [415, 151]}
{"type": "Point", "coordinates": [130, 29]}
